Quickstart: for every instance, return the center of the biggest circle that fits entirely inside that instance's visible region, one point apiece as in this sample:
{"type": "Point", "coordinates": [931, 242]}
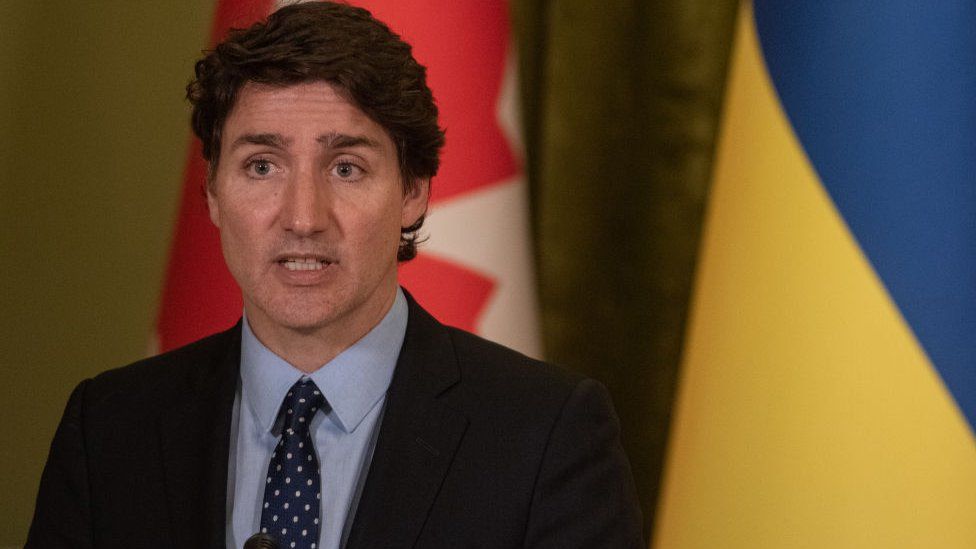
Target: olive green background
{"type": "Point", "coordinates": [620, 101]}
{"type": "Point", "coordinates": [93, 137]}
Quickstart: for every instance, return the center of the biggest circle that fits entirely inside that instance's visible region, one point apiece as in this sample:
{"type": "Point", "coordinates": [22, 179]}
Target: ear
{"type": "Point", "coordinates": [414, 202]}
{"type": "Point", "coordinates": [213, 206]}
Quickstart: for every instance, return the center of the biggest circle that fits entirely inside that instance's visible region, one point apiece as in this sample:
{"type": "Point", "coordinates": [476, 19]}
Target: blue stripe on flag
{"type": "Point", "coordinates": [882, 95]}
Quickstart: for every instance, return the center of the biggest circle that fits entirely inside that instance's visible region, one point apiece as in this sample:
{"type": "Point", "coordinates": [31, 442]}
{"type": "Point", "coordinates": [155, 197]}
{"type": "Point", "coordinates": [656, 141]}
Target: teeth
{"type": "Point", "coordinates": [303, 264]}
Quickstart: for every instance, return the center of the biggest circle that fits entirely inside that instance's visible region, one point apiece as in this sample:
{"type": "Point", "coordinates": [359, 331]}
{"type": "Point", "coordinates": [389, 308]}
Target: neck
{"type": "Point", "coordinates": [310, 348]}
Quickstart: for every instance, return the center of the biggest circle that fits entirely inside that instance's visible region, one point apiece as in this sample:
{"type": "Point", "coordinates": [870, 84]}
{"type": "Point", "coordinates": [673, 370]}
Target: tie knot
{"type": "Point", "coordinates": [301, 403]}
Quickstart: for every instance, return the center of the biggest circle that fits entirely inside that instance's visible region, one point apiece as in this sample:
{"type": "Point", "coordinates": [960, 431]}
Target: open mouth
{"type": "Point", "coordinates": [304, 263]}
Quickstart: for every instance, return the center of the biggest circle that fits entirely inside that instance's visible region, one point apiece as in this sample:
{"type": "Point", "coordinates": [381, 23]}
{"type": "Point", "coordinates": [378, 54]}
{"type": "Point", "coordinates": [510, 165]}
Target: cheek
{"type": "Point", "coordinates": [250, 212]}
{"type": "Point", "coordinates": [233, 225]}
{"type": "Point", "coordinates": [372, 219]}
{"type": "Point", "coordinates": [378, 240]}
{"type": "Point", "coordinates": [241, 232]}
{"type": "Point", "coordinates": [378, 233]}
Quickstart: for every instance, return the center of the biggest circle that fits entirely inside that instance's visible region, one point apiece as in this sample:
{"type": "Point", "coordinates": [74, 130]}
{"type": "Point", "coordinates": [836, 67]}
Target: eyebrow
{"type": "Point", "coordinates": [333, 140]}
{"type": "Point", "coordinates": [267, 139]}
{"type": "Point", "coordinates": [344, 141]}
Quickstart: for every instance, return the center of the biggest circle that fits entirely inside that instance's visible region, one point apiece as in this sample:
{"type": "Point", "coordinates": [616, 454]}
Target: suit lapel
{"type": "Point", "coordinates": [417, 440]}
{"type": "Point", "coordinates": [195, 438]}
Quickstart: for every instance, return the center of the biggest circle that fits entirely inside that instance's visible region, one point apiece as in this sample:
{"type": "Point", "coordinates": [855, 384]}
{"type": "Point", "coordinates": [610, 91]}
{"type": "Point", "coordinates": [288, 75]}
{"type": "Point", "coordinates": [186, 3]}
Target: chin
{"type": "Point", "coordinates": [305, 320]}
{"type": "Point", "coordinates": [301, 312]}
{"type": "Point", "coordinates": [307, 311]}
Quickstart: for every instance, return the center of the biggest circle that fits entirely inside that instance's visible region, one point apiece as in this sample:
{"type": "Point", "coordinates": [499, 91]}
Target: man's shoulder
{"type": "Point", "coordinates": [178, 371]}
{"type": "Point", "coordinates": [490, 361]}
{"type": "Point", "coordinates": [499, 383]}
{"type": "Point", "coordinates": [488, 372]}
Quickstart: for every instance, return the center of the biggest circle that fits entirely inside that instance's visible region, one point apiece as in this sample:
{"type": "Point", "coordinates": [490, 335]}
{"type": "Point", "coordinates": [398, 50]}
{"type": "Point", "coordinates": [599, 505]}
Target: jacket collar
{"type": "Point", "coordinates": [195, 442]}
{"type": "Point", "coordinates": [417, 440]}
{"type": "Point", "coordinates": [416, 444]}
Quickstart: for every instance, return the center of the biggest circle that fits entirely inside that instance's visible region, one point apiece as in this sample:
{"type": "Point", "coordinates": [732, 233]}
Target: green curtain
{"type": "Point", "coordinates": [93, 136]}
{"type": "Point", "coordinates": [621, 104]}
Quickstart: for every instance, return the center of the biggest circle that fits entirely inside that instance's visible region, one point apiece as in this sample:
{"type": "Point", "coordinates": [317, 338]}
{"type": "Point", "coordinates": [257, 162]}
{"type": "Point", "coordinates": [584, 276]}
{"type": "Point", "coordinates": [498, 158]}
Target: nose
{"type": "Point", "coordinates": [305, 207]}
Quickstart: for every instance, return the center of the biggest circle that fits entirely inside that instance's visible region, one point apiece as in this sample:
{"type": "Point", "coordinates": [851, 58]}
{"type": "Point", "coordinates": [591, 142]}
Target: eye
{"type": "Point", "coordinates": [259, 167]}
{"type": "Point", "coordinates": [347, 171]}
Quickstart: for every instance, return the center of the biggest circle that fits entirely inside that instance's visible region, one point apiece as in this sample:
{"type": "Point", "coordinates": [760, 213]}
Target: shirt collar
{"type": "Point", "coordinates": [353, 382]}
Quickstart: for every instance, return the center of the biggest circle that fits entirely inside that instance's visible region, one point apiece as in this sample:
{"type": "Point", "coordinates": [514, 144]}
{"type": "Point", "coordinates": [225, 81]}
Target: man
{"type": "Point", "coordinates": [337, 413]}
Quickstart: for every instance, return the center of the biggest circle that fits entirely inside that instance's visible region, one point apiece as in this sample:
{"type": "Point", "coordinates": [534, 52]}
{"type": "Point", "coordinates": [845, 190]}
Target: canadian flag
{"type": "Point", "coordinates": [475, 270]}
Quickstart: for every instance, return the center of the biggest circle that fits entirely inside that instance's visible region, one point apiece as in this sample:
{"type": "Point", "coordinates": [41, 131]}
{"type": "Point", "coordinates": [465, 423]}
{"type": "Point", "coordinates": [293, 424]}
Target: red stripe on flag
{"type": "Point", "coordinates": [457, 294]}
{"type": "Point", "coordinates": [463, 45]}
{"type": "Point", "coordinates": [199, 295]}
{"type": "Point", "coordinates": [237, 14]}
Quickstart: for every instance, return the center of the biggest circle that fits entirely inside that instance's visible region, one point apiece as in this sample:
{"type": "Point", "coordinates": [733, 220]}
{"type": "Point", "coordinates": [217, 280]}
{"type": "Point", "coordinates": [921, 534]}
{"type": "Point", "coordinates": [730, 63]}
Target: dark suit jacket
{"type": "Point", "coordinates": [479, 447]}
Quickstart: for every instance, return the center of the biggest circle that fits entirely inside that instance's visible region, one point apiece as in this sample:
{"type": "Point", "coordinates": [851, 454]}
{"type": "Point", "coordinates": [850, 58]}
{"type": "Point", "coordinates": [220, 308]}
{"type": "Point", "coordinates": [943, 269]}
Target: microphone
{"type": "Point", "coordinates": [261, 541]}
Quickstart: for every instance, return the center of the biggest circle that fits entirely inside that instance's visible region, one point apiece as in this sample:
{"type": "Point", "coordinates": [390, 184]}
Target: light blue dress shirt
{"type": "Point", "coordinates": [354, 384]}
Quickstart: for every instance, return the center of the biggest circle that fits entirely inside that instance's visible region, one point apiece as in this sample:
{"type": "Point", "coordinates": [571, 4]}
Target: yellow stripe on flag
{"type": "Point", "coordinates": [807, 413]}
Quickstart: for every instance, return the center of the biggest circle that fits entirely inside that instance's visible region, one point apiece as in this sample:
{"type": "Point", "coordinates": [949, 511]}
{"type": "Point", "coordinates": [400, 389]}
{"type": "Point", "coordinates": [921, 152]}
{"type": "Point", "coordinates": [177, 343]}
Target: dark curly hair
{"type": "Point", "coordinates": [335, 43]}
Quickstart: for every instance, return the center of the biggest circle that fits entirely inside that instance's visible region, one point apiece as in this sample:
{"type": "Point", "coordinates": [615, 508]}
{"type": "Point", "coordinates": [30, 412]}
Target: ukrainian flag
{"type": "Point", "coordinates": [828, 394]}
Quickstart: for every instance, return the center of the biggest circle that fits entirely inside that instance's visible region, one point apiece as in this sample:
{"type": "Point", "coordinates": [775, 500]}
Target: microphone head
{"type": "Point", "coordinates": [261, 541]}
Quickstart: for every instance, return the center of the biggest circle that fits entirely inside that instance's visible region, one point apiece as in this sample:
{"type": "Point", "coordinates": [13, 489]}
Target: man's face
{"type": "Point", "coordinates": [309, 203]}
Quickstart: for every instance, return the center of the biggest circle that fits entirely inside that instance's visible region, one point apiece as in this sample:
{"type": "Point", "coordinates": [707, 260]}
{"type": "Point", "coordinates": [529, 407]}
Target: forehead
{"type": "Point", "coordinates": [305, 110]}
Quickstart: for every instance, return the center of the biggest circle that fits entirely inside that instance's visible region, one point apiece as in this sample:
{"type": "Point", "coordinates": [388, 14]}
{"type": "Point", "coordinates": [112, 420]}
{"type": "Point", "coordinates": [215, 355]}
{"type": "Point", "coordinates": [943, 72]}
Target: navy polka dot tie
{"type": "Point", "coordinates": [292, 493]}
